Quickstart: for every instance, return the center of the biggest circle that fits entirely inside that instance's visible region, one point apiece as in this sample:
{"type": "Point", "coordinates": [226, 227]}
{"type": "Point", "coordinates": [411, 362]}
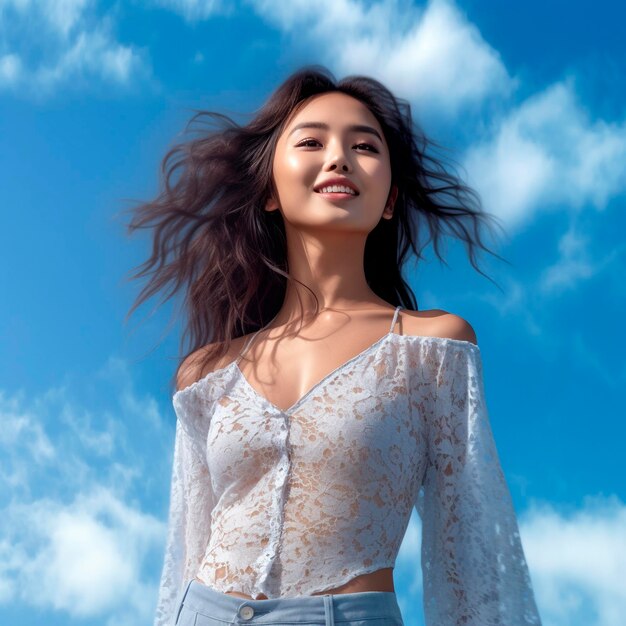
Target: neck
{"type": "Point", "coordinates": [330, 264]}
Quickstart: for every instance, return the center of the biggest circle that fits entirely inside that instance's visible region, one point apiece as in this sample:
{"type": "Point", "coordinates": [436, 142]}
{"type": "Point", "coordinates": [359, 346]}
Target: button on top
{"type": "Point", "coordinates": [246, 612]}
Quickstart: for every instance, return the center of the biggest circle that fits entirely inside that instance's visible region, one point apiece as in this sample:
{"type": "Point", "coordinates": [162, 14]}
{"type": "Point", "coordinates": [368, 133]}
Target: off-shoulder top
{"type": "Point", "coordinates": [298, 501]}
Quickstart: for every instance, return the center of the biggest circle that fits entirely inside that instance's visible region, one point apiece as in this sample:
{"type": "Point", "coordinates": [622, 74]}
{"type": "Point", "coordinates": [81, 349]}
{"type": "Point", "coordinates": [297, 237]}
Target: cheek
{"type": "Point", "coordinates": [381, 171]}
{"type": "Point", "coordinates": [294, 174]}
{"type": "Point", "coordinates": [294, 167]}
{"type": "Point", "coordinates": [381, 180]}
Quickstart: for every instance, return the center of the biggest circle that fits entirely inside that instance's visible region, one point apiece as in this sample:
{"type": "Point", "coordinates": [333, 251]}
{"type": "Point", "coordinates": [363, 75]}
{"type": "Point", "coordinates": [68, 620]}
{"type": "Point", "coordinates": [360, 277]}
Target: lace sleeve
{"type": "Point", "coordinates": [473, 563]}
{"type": "Point", "coordinates": [191, 503]}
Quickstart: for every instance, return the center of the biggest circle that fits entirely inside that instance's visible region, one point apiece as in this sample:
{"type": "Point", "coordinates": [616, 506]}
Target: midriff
{"type": "Point", "coordinates": [380, 580]}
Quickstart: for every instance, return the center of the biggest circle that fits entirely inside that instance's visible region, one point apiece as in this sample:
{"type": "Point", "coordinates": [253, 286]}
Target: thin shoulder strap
{"type": "Point", "coordinates": [247, 344]}
{"type": "Point", "coordinates": [395, 317]}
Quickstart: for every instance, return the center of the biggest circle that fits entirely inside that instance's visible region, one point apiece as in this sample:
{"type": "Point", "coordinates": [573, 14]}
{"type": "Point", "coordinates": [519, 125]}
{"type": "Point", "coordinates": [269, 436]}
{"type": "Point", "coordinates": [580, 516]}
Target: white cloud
{"type": "Point", "coordinates": [85, 557]}
{"type": "Point", "coordinates": [432, 56]}
{"type": "Point", "coordinates": [578, 562]}
{"type": "Point", "coordinates": [548, 153]}
{"type": "Point", "coordinates": [53, 44]}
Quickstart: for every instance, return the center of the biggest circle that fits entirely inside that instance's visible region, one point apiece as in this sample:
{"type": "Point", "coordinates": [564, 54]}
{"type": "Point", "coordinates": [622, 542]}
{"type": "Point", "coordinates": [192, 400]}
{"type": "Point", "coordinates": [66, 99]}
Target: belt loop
{"type": "Point", "coordinates": [328, 610]}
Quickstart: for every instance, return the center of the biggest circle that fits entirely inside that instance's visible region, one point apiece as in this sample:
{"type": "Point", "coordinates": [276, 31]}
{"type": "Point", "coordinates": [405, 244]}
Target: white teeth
{"type": "Point", "coordinates": [338, 188]}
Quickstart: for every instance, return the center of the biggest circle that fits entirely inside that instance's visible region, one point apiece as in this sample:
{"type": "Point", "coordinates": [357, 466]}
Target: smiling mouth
{"type": "Point", "coordinates": [337, 194]}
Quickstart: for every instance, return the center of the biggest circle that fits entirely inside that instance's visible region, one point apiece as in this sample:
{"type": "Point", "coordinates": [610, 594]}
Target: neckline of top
{"type": "Point", "coordinates": [315, 386]}
{"type": "Point", "coordinates": [320, 382]}
{"type": "Point", "coordinates": [234, 364]}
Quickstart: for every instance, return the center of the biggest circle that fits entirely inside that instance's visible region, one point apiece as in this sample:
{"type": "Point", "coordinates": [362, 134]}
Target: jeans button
{"type": "Point", "coordinates": [246, 612]}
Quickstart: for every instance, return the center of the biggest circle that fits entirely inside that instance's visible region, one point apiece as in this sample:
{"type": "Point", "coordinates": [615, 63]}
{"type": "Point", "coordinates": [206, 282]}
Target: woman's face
{"type": "Point", "coordinates": [332, 136]}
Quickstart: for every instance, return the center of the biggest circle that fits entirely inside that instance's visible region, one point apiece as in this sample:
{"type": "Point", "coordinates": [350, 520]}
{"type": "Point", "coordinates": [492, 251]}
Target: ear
{"type": "Point", "coordinates": [391, 200]}
{"type": "Point", "coordinates": [271, 204]}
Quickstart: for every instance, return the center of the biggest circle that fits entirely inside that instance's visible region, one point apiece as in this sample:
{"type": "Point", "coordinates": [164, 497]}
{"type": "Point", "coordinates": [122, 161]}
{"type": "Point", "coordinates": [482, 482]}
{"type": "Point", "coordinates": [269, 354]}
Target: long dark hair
{"type": "Point", "coordinates": [212, 236]}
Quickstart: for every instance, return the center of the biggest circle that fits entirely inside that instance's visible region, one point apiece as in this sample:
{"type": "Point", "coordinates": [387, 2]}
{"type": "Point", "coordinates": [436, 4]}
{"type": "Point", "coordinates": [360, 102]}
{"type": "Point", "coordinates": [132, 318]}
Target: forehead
{"type": "Point", "coordinates": [334, 109]}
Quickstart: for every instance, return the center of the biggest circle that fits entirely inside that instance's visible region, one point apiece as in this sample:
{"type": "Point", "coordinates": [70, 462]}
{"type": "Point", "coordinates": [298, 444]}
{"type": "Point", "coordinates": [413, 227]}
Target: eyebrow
{"type": "Point", "coordinates": [359, 128]}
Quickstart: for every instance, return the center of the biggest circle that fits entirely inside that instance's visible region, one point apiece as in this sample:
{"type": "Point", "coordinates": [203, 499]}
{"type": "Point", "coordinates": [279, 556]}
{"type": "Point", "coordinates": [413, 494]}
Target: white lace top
{"type": "Point", "coordinates": [288, 503]}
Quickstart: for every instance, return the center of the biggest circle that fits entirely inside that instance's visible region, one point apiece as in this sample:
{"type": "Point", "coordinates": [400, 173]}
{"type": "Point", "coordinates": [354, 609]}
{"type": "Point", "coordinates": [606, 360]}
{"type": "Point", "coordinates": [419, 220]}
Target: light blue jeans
{"type": "Point", "coordinates": [200, 605]}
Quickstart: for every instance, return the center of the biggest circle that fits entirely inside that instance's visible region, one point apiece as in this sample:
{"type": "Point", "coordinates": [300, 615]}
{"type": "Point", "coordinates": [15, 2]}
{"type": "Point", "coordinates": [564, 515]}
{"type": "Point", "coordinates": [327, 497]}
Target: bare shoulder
{"type": "Point", "coordinates": [455, 327]}
{"type": "Point", "coordinates": [197, 365]}
{"type": "Point", "coordinates": [439, 323]}
{"type": "Point", "coordinates": [190, 370]}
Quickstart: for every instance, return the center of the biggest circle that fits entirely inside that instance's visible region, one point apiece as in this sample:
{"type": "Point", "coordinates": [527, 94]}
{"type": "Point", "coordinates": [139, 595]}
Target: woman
{"type": "Point", "coordinates": [302, 447]}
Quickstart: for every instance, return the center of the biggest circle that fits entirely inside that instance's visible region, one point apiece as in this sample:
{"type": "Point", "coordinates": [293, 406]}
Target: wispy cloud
{"type": "Point", "coordinates": [577, 262]}
{"type": "Point", "coordinates": [10, 68]}
{"type": "Point", "coordinates": [53, 44]}
{"type": "Point", "coordinates": [194, 10]}
{"type": "Point", "coordinates": [62, 15]}
{"type": "Point", "coordinates": [579, 258]}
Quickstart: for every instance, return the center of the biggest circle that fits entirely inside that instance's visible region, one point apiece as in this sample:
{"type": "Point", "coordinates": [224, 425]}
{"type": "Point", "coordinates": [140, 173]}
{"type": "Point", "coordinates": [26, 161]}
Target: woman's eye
{"type": "Point", "coordinates": [306, 143]}
{"type": "Point", "coordinates": [369, 145]}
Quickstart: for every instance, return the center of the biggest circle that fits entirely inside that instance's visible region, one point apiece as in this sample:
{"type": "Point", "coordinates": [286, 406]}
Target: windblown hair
{"type": "Point", "coordinates": [213, 238]}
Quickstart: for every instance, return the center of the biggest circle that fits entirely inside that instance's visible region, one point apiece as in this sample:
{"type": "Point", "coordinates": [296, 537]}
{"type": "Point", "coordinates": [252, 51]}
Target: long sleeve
{"type": "Point", "coordinates": [191, 503]}
{"type": "Point", "coordinates": [473, 564]}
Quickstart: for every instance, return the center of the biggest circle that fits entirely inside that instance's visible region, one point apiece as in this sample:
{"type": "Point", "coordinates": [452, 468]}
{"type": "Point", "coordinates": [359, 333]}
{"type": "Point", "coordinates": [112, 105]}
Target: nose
{"type": "Point", "coordinates": [337, 159]}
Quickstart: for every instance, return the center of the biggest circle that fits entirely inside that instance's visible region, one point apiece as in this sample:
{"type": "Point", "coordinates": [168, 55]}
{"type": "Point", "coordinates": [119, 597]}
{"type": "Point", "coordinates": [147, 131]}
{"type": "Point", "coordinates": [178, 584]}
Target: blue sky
{"type": "Point", "coordinates": [530, 97]}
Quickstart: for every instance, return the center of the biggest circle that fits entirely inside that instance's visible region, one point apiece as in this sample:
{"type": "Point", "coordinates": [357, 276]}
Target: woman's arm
{"type": "Point", "coordinates": [473, 564]}
{"type": "Point", "coordinates": [191, 503]}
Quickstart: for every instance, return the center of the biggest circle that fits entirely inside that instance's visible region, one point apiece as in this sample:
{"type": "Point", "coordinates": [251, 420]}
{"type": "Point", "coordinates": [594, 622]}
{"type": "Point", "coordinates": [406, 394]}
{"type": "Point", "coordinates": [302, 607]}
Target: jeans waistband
{"type": "Point", "coordinates": [325, 609]}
